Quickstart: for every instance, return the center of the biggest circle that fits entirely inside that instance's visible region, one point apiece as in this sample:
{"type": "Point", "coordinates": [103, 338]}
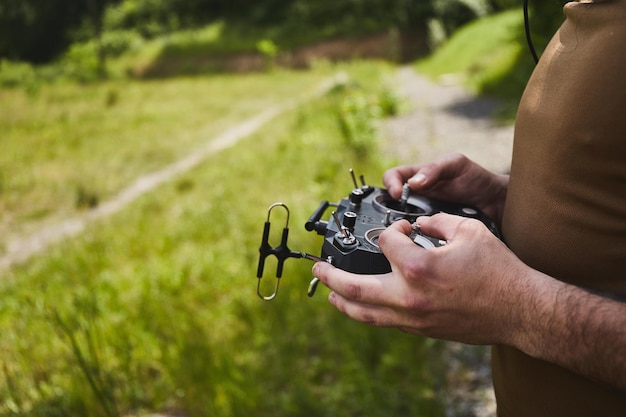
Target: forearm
{"type": "Point", "coordinates": [572, 328]}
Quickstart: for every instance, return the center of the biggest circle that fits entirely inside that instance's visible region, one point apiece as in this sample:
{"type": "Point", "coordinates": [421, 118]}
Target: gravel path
{"type": "Point", "coordinates": [446, 118]}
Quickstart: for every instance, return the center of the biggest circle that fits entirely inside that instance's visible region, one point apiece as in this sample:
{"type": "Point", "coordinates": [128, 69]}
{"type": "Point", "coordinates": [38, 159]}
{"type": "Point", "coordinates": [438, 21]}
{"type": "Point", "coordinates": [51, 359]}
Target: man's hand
{"type": "Point", "coordinates": [475, 290]}
{"type": "Point", "coordinates": [456, 292]}
{"type": "Point", "coordinates": [453, 178]}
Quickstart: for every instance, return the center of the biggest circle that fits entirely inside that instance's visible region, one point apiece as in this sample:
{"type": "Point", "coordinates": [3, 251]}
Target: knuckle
{"type": "Point", "coordinates": [414, 303]}
{"type": "Point", "coordinates": [454, 158]}
{"type": "Point", "coordinates": [370, 320]}
{"type": "Point", "coordinates": [470, 226]}
{"type": "Point", "coordinates": [414, 270]}
{"type": "Point", "coordinates": [459, 157]}
{"type": "Point", "coordinates": [353, 292]}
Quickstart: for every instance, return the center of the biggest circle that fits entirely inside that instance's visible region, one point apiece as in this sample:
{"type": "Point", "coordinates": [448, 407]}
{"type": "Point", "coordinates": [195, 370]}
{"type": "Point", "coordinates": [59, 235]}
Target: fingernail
{"type": "Point", "coordinates": [315, 268]}
{"type": "Point", "coordinates": [331, 297]}
{"type": "Point", "coordinates": [418, 179]}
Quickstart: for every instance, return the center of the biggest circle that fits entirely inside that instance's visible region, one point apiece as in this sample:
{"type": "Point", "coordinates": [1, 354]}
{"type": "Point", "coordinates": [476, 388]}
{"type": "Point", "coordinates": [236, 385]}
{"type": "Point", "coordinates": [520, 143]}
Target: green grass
{"type": "Point", "coordinates": [70, 144]}
{"type": "Point", "coordinates": [489, 56]}
{"type": "Point", "coordinates": [154, 309]}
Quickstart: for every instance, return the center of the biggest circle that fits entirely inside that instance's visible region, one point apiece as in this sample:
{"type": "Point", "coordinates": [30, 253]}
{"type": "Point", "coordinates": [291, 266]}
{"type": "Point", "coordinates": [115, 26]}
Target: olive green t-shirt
{"type": "Point", "coordinates": [565, 213]}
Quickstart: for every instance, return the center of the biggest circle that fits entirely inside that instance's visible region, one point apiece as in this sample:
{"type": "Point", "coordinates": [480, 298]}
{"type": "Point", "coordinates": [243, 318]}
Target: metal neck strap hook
{"type": "Point", "coordinates": [281, 252]}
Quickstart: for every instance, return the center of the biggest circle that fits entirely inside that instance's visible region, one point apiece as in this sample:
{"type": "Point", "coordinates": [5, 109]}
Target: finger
{"type": "Point", "coordinates": [398, 247]}
{"type": "Point", "coordinates": [395, 178]}
{"type": "Point", "coordinates": [444, 226]}
{"type": "Point", "coordinates": [373, 315]}
{"type": "Point", "coordinates": [447, 167]}
{"type": "Point", "coordinates": [395, 236]}
{"type": "Point", "coordinates": [425, 176]}
{"type": "Point", "coordinates": [370, 289]}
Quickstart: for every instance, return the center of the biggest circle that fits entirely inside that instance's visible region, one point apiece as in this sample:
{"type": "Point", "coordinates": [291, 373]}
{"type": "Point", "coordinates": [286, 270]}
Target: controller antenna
{"type": "Point", "coordinates": [353, 178]}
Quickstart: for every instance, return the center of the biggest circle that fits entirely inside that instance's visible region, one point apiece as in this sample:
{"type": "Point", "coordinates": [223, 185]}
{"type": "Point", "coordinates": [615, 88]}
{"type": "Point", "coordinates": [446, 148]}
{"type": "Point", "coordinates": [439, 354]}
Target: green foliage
{"type": "Point", "coordinates": [360, 112]}
{"type": "Point", "coordinates": [80, 63]}
{"type": "Point", "coordinates": [269, 50]}
{"type": "Point", "coordinates": [267, 47]}
{"type": "Point", "coordinates": [41, 30]}
{"type": "Point", "coordinates": [36, 30]}
{"type": "Point", "coordinates": [389, 102]}
{"type": "Point", "coordinates": [356, 16]}
{"type": "Point", "coordinates": [499, 5]}
{"type": "Point", "coordinates": [15, 74]}
{"type": "Point", "coordinates": [149, 18]}
{"type": "Point", "coordinates": [489, 55]}
{"type": "Point", "coordinates": [115, 43]}
{"type": "Point", "coordinates": [358, 116]}
{"type": "Point", "coordinates": [449, 15]}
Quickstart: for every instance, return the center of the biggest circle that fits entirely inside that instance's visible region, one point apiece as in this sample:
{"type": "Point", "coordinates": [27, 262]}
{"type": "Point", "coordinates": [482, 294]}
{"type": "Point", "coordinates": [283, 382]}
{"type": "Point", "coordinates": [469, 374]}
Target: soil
{"type": "Point", "coordinates": [393, 46]}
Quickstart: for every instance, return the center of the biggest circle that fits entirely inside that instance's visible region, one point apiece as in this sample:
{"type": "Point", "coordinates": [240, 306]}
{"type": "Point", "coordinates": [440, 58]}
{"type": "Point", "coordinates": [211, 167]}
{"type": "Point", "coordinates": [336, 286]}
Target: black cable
{"type": "Point", "coordinates": [529, 40]}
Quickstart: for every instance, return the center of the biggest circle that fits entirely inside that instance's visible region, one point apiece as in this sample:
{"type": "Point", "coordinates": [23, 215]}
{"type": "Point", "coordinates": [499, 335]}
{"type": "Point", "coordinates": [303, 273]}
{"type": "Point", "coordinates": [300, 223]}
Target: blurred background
{"type": "Point", "coordinates": [142, 142]}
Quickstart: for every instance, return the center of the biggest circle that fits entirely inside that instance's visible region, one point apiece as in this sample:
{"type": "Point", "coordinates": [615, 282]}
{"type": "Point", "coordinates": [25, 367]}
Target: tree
{"type": "Point", "coordinates": [39, 30]}
{"type": "Point", "coordinates": [96, 13]}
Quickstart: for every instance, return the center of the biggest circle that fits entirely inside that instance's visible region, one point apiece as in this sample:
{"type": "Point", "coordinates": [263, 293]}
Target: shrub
{"type": "Point", "coordinates": [359, 114]}
{"type": "Point", "coordinates": [16, 74]}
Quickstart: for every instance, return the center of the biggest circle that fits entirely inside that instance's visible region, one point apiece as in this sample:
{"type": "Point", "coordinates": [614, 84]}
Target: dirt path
{"type": "Point", "coordinates": [446, 118]}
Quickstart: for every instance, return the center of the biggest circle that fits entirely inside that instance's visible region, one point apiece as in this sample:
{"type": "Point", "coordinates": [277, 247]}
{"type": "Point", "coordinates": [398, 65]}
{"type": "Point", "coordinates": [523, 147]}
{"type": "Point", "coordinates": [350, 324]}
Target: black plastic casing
{"type": "Point", "coordinates": [375, 210]}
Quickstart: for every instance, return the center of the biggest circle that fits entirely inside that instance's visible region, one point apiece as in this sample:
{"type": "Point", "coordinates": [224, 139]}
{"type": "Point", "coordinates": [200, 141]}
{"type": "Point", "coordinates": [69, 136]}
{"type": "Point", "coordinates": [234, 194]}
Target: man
{"type": "Point", "coordinates": [548, 298]}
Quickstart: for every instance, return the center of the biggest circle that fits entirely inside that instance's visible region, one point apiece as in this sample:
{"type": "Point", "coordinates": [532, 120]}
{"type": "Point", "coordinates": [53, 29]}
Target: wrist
{"type": "Point", "coordinates": [501, 185]}
{"type": "Point", "coordinates": [496, 190]}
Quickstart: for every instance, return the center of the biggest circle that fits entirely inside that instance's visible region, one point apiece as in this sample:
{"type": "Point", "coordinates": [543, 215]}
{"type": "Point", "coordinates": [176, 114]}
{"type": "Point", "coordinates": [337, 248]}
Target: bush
{"type": "Point", "coordinates": [115, 43]}
{"type": "Point", "coordinates": [151, 18]}
{"type": "Point", "coordinates": [359, 114]}
{"type": "Point", "coordinates": [451, 15]}
{"type": "Point", "coordinates": [80, 63]}
{"type": "Point", "coordinates": [16, 74]}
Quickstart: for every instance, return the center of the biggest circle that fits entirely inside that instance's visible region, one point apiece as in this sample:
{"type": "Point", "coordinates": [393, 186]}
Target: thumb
{"type": "Point", "coordinates": [440, 226]}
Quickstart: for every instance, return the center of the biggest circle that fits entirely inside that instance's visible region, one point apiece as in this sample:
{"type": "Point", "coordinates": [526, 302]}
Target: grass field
{"type": "Point", "coordinates": [154, 309]}
{"type": "Point", "coordinates": [71, 145]}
